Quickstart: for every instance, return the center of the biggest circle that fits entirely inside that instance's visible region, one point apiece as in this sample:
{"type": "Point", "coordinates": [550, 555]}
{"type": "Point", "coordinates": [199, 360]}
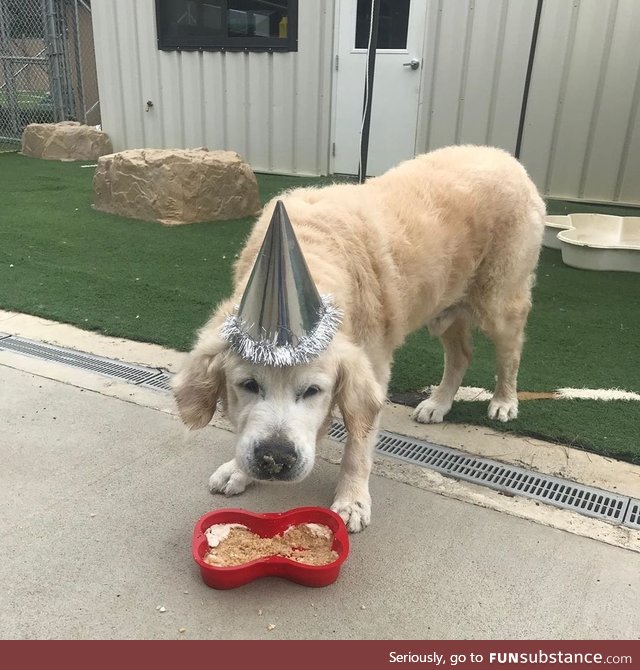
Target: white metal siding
{"type": "Point", "coordinates": [475, 61]}
{"type": "Point", "coordinates": [273, 109]}
{"type": "Point", "coordinates": [582, 131]}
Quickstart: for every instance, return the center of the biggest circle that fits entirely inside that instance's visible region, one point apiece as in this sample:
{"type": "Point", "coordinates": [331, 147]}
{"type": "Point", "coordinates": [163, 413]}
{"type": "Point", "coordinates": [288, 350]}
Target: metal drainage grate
{"type": "Point", "coordinates": [337, 431]}
{"type": "Point", "coordinates": [104, 366]}
{"type": "Point", "coordinates": [511, 479]}
{"type": "Point", "coordinates": [506, 478]}
{"type": "Point", "coordinates": [161, 382]}
{"type": "Point", "coordinates": [632, 518]}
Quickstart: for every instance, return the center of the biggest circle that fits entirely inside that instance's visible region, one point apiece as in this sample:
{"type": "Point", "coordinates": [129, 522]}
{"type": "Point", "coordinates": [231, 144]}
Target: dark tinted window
{"type": "Point", "coordinates": [392, 27]}
{"type": "Point", "coordinates": [228, 24]}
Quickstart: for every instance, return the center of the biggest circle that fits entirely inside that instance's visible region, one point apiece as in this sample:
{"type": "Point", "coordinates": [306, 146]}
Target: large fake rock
{"type": "Point", "coordinates": [65, 141]}
{"type": "Point", "coordinates": [176, 186]}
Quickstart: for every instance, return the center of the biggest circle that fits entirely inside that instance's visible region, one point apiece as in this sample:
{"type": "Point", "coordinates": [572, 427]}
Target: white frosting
{"type": "Point", "coordinates": [220, 531]}
{"type": "Point", "coordinates": [317, 529]}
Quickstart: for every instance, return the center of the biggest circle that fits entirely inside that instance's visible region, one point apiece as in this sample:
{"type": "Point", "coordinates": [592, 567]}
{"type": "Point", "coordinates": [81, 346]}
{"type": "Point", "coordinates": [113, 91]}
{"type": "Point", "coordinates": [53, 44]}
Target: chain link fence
{"type": "Point", "coordinates": [47, 66]}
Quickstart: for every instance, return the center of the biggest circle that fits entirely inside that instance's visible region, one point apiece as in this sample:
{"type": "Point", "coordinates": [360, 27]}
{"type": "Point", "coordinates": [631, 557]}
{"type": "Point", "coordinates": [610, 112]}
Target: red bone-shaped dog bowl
{"type": "Point", "coordinates": [268, 525]}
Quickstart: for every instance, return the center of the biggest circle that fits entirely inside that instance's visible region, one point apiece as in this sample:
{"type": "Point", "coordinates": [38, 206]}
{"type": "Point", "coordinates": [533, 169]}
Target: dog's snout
{"type": "Point", "coordinates": [275, 459]}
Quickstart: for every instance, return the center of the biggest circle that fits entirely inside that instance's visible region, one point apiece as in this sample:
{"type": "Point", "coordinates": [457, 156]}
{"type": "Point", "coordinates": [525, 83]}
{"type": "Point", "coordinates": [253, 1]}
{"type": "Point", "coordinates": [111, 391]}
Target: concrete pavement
{"type": "Point", "coordinates": [98, 498]}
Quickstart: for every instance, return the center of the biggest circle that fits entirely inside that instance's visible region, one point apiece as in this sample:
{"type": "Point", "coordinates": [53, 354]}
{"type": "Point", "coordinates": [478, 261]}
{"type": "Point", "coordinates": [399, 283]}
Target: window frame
{"type": "Point", "coordinates": [242, 43]}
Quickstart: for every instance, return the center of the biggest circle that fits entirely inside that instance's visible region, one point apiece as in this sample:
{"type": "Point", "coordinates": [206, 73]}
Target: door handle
{"type": "Point", "coordinates": [414, 64]}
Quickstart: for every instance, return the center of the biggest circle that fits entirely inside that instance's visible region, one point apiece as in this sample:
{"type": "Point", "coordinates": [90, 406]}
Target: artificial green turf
{"type": "Point", "coordinates": [61, 260]}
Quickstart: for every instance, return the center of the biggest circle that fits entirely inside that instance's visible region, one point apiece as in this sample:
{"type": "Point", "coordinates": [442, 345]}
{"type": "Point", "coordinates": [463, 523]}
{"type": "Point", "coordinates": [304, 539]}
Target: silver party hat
{"type": "Point", "coordinates": [282, 319]}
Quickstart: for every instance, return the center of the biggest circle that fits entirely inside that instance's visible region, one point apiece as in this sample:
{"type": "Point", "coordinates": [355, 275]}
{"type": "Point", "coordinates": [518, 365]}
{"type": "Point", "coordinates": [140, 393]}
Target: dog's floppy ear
{"type": "Point", "coordinates": [358, 393]}
{"type": "Point", "coordinates": [201, 381]}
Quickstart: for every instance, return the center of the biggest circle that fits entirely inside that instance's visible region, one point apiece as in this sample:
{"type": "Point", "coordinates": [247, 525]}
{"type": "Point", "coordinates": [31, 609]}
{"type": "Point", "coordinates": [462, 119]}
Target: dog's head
{"type": "Point", "coordinates": [278, 413]}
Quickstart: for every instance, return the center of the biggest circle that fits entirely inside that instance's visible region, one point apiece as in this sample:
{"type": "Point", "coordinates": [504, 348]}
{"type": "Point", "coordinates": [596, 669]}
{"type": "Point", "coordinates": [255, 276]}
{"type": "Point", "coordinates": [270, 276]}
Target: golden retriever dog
{"type": "Point", "coordinates": [448, 241]}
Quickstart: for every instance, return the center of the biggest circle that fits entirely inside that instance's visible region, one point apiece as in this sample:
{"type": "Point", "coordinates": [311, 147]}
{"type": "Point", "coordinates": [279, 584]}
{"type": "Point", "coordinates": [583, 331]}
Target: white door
{"type": "Point", "coordinates": [396, 89]}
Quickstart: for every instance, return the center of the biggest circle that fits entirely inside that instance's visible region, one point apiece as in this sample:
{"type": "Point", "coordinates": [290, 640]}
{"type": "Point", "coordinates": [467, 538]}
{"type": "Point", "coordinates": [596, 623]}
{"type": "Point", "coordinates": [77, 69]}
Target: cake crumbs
{"type": "Point", "coordinates": [271, 626]}
{"type": "Point", "coordinates": [234, 544]}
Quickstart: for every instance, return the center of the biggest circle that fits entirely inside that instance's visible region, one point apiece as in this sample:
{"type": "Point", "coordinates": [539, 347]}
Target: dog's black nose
{"type": "Point", "coordinates": [275, 459]}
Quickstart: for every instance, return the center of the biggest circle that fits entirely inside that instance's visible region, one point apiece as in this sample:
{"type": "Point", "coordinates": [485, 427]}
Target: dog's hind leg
{"type": "Point", "coordinates": [506, 330]}
{"type": "Point", "coordinates": [456, 341]}
{"type": "Point", "coordinates": [229, 479]}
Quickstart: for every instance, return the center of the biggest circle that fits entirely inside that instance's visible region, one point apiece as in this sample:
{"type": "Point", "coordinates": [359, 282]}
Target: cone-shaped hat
{"type": "Point", "coordinates": [282, 319]}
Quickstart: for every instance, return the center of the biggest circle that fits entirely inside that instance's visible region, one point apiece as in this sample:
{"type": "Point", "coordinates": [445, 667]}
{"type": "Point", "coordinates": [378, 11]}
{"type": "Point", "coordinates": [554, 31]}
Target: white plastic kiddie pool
{"type": "Point", "coordinates": [595, 241]}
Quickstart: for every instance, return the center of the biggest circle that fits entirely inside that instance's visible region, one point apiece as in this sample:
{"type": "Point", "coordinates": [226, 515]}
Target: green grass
{"type": "Point", "coordinates": [61, 260]}
{"type": "Point", "coordinates": [8, 144]}
{"type": "Point", "coordinates": [28, 99]}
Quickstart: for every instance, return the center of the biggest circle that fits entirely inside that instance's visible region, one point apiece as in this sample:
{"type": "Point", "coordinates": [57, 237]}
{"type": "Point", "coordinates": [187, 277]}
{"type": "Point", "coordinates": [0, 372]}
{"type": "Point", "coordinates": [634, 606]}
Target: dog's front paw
{"type": "Point", "coordinates": [229, 479]}
{"type": "Point", "coordinates": [355, 513]}
{"type": "Point", "coordinates": [431, 411]}
{"type": "Point", "coordinates": [503, 410]}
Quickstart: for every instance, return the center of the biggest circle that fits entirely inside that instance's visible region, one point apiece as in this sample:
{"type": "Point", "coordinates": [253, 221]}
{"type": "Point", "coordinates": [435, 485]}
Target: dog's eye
{"type": "Point", "coordinates": [310, 392]}
{"type": "Point", "coordinates": [250, 385]}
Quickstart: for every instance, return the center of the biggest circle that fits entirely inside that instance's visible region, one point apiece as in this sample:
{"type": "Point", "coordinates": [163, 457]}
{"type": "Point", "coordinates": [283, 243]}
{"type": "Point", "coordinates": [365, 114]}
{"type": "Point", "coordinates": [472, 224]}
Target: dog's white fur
{"type": "Point", "coordinates": [448, 240]}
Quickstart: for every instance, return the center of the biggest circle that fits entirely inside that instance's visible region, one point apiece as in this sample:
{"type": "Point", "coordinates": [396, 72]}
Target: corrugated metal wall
{"type": "Point", "coordinates": [582, 132]}
{"type": "Point", "coordinates": [475, 61]}
{"type": "Point", "coordinates": [273, 109]}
